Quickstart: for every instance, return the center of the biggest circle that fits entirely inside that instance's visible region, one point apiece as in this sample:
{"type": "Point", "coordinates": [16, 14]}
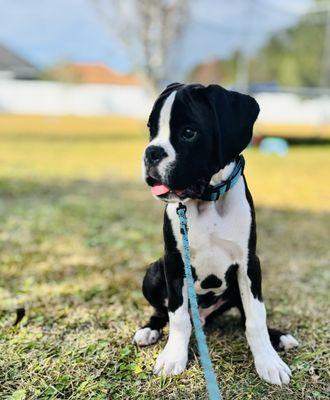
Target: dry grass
{"type": "Point", "coordinates": [68, 126]}
{"type": "Point", "coordinates": [74, 245]}
{"type": "Point", "coordinates": [111, 148]}
{"type": "Point", "coordinates": [74, 255]}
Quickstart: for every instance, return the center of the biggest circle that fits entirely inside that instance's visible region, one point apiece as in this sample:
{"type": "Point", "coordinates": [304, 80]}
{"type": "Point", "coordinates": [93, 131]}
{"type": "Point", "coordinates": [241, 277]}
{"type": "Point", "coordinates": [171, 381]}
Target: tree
{"type": "Point", "coordinates": [297, 56]}
{"type": "Point", "coordinates": [150, 30]}
{"type": "Point", "coordinates": [292, 58]}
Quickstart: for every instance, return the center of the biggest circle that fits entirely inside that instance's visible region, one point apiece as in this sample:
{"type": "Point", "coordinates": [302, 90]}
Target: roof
{"type": "Point", "coordinates": [208, 72]}
{"type": "Point", "coordinates": [98, 73]}
{"type": "Point", "coordinates": [17, 65]}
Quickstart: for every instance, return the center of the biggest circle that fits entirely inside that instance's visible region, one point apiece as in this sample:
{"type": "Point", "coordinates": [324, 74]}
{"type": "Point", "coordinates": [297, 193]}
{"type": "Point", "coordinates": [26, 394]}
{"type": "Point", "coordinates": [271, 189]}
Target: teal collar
{"type": "Point", "coordinates": [212, 193]}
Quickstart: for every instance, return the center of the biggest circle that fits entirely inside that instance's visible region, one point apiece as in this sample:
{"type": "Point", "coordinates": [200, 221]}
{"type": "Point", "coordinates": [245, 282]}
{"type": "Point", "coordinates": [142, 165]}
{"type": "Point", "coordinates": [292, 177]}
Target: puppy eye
{"type": "Point", "coordinates": [189, 134]}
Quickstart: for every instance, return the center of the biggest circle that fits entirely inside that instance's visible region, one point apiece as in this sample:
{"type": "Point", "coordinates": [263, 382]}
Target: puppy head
{"type": "Point", "coordinates": [194, 132]}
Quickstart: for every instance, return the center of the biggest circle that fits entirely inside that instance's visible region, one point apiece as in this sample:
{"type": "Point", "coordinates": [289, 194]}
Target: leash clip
{"type": "Point", "coordinates": [181, 211]}
{"type": "Point", "coordinates": [181, 207]}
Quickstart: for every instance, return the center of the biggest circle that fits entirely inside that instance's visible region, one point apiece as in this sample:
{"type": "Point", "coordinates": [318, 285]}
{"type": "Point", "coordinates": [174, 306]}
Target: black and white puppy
{"type": "Point", "coordinates": [195, 134]}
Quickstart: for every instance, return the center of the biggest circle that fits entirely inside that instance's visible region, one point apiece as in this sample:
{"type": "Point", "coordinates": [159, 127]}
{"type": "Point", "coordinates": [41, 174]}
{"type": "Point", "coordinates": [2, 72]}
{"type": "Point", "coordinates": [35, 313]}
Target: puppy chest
{"type": "Point", "coordinates": [211, 257]}
{"type": "Point", "coordinates": [210, 268]}
{"type": "Point", "coordinates": [217, 241]}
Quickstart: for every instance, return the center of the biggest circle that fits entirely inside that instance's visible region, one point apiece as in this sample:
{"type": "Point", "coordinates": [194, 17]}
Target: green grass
{"type": "Point", "coordinates": [77, 231]}
{"type": "Point", "coordinates": [73, 253]}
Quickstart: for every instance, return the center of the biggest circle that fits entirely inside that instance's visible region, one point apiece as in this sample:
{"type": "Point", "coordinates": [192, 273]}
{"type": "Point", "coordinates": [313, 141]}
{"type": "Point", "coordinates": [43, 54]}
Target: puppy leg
{"type": "Point", "coordinates": [279, 340]}
{"type": "Point", "coordinates": [173, 359]}
{"type": "Point", "coordinates": [154, 290]}
{"type": "Point", "coordinates": [268, 364]}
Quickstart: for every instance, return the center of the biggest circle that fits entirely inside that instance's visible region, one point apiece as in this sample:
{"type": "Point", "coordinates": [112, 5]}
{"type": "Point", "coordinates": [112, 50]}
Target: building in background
{"type": "Point", "coordinates": [14, 66]}
{"type": "Point", "coordinates": [69, 89]}
{"type": "Point", "coordinates": [207, 73]}
{"type": "Point", "coordinates": [91, 73]}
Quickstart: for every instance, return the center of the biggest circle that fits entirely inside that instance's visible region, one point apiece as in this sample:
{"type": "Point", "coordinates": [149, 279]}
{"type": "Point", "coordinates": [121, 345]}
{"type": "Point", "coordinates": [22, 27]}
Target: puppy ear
{"type": "Point", "coordinates": [234, 116]}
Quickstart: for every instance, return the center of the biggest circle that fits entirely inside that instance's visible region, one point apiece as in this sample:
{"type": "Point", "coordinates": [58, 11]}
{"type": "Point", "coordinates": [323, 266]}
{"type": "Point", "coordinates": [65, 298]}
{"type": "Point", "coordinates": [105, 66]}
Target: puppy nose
{"type": "Point", "coordinates": [154, 154]}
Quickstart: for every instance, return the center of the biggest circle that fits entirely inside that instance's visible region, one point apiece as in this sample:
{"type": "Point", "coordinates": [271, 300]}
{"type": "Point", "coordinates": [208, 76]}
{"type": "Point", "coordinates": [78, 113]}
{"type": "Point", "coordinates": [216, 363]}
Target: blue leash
{"type": "Point", "coordinates": [210, 378]}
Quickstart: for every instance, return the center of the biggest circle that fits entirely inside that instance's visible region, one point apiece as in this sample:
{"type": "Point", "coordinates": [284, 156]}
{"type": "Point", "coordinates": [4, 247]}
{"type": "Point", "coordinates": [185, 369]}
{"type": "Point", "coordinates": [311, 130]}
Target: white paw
{"type": "Point", "coordinates": [288, 342]}
{"type": "Point", "coordinates": [271, 368]}
{"type": "Point", "coordinates": [171, 361]}
{"type": "Point", "coordinates": [145, 337]}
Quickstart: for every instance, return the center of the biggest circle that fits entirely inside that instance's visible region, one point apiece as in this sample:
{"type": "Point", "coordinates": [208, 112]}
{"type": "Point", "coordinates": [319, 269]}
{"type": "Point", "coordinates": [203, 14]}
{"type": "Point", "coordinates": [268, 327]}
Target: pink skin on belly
{"type": "Point", "coordinates": [205, 312]}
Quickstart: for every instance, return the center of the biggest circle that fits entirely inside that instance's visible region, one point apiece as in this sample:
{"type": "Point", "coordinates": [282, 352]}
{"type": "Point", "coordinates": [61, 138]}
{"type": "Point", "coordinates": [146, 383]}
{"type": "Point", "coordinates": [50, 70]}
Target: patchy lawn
{"type": "Point", "coordinates": [74, 254]}
{"type": "Point", "coordinates": [77, 231]}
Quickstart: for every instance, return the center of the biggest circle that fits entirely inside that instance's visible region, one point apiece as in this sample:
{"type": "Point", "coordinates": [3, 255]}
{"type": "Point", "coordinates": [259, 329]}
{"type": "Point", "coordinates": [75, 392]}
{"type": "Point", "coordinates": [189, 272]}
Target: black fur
{"type": "Point", "coordinates": [233, 117]}
{"type": "Point", "coordinates": [211, 282]}
{"type": "Point", "coordinates": [174, 268]}
{"type": "Point", "coordinates": [155, 291]}
{"type": "Point", "coordinates": [275, 336]}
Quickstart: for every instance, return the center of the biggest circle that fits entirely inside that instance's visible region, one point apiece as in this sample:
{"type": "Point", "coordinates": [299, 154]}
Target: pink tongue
{"type": "Point", "coordinates": [159, 189]}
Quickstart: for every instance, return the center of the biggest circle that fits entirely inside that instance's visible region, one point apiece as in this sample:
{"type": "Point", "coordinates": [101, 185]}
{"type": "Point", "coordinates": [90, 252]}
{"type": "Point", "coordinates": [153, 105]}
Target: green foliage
{"type": "Point", "coordinates": [292, 58]}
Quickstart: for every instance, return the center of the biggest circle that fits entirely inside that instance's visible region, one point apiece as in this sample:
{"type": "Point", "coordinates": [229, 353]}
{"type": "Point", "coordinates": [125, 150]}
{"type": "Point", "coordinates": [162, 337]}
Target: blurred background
{"type": "Point", "coordinates": [79, 69]}
{"type": "Point", "coordinates": [77, 224]}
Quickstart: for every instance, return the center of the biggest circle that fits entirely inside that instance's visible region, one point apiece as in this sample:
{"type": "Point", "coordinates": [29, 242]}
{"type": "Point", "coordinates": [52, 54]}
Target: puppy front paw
{"type": "Point", "coordinates": [145, 337]}
{"type": "Point", "coordinates": [171, 361]}
{"type": "Point", "coordinates": [272, 369]}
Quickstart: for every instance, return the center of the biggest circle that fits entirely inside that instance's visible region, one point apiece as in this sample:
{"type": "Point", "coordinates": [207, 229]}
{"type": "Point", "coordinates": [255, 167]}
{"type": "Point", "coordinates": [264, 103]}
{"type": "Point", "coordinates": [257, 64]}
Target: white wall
{"type": "Point", "coordinates": [288, 108]}
{"type": "Point", "coordinates": [53, 98]}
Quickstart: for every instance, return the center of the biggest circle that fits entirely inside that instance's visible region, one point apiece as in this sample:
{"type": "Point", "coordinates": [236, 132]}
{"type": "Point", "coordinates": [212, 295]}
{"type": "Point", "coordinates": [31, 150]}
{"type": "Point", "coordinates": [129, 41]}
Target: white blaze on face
{"type": "Point", "coordinates": [163, 137]}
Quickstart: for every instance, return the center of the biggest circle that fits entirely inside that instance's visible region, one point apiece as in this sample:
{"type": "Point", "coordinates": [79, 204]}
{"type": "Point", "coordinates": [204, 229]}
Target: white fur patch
{"type": "Point", "coordinates": [163, 137]}
{"type": "Point", "coordinates": [173, 359]}
{"type": "Point", "coordinates": [288, 342]}
{"type": "Point", "coordinates": [145, 337]}
{"type": "Point", "coordinates": [268, 364]}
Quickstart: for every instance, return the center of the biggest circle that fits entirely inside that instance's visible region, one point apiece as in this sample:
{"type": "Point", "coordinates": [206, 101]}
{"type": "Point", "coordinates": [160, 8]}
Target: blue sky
{"type": "Point", "coordinates": [48, 31]}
